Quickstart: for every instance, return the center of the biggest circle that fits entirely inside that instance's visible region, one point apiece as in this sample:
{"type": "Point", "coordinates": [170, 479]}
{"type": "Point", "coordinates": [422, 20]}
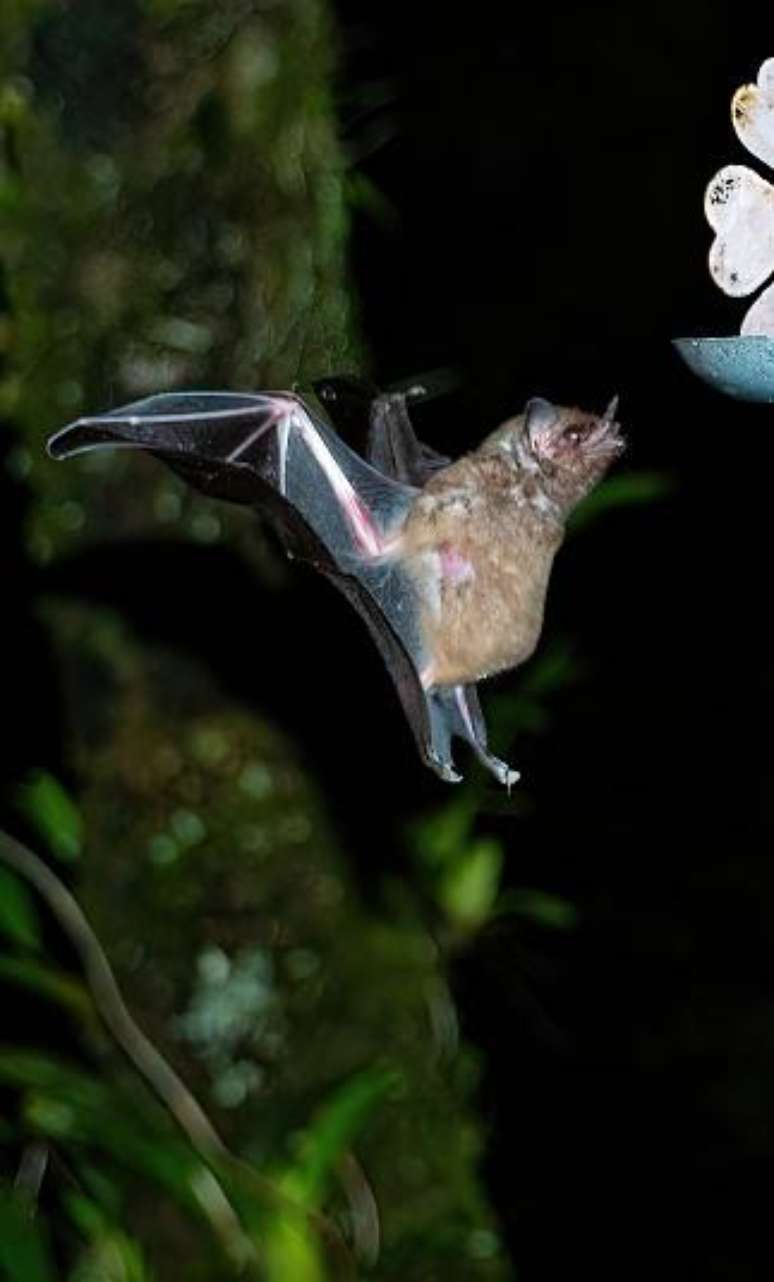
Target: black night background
{"type": "Point", "coordinates": [523, 197]}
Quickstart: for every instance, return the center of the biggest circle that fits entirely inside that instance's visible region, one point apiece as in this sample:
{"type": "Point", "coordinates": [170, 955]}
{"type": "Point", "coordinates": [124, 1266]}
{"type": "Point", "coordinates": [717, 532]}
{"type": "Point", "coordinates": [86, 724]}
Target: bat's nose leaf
{"type": "Point", "coordinates": [612, 409]}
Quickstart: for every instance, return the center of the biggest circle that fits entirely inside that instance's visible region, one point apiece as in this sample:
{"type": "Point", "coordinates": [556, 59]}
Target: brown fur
{"type": "Point", "coordinates": [481, 539]}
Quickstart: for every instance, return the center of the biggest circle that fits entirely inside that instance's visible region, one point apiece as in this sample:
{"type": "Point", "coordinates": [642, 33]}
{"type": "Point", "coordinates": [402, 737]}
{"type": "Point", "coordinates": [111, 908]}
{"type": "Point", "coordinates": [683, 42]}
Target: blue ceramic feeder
{"type": "Point", "coordinates": [741, 365]}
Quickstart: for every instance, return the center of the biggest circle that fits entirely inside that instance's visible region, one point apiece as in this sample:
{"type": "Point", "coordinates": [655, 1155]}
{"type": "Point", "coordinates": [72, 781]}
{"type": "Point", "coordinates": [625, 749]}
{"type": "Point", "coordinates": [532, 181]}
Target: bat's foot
{"type": "Point", "coordinates": [501, 771]}
{"type": "Point", "coordinates": [444, 769]}
{"type": "Point", "coordinates": [455, 710]}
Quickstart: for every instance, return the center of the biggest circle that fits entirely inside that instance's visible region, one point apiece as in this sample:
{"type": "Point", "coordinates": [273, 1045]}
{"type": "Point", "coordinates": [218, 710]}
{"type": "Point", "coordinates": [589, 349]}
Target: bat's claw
{"type": "Point", "coordinates": [502, 771]}
{"type": "Point", "coordinates": [444, 769]}
{"type": "Point", "coordinates": [455, 710]}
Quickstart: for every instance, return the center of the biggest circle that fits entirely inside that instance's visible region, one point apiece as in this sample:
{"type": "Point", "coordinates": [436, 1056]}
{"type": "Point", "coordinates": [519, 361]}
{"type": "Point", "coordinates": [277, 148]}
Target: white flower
{"type": "Point", "coordinates": [739, 206]}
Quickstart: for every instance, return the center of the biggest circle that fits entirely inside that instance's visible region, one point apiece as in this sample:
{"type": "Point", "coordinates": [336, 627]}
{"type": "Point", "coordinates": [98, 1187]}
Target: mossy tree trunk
{"type": "Point", "coordinates": [173, 214]}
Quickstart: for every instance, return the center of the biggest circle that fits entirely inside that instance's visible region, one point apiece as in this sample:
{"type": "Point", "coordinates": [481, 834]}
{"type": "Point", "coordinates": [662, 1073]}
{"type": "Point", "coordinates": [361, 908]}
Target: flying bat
{"type": "Point", "coordinates": [447, 562]}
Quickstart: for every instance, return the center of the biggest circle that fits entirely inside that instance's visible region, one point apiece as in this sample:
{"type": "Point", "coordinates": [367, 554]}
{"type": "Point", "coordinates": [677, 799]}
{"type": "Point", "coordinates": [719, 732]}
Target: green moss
{"type": "Point", "coordinates": [213, 874]}
{"type": "Point", "coordinates": [172, 213]}
{"type": "Point", "coordinates": [201, 243]}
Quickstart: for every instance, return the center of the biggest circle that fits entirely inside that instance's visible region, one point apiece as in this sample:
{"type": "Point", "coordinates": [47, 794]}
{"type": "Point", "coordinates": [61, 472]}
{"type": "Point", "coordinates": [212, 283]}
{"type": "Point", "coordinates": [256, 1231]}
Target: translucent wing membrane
{"type": "Point", "coordinates": [330, 507]}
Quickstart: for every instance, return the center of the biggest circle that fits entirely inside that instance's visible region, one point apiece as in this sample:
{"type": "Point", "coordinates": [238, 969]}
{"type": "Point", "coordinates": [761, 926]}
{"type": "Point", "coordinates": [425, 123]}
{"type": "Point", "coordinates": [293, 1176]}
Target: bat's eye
{"type": "Point", "coordinates": [573, 435]}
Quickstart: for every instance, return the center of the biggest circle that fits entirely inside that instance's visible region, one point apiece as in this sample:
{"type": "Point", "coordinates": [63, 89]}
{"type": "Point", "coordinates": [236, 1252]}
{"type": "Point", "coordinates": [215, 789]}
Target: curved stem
{"type": "Point", "coordinates": [169, 1087]}
{"type": "Point", "coordinates": [160, 1075]}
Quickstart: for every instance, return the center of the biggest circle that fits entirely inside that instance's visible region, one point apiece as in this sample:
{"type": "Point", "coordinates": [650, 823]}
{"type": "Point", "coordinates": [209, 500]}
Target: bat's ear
{"type": "Point", "coordinates": [539, 418]}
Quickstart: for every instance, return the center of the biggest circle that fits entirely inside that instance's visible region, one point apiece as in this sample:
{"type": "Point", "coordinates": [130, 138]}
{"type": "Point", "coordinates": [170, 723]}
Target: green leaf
{"type": "Point", "coordinates": [364, 195]}
{"type": "Point", "coordinates": [111, 1256]}
{"type": "Point", "coordinates": [78, 1111]}
{"type": "Point", "coordinates": [24, 1253]}
{"type": "Point", "coordinates": [556, 668]}
{"type": "Point", "coordinates": [289, 1251]}
{"type": "Point", "coordinates": [333, 1130]}
{"type": "Point", "coordinates": [18, 917]}
{"type": "Point", "coordinates": [67, 1104]}
{"type": "Point", "coordinates": [53, 813]}
{"type": "Point", "coordinates": [469, 887]}
{"type": "Point", "coordinates": [525, 708]}
{"type": "Point", "coordinates": [100, 1189]}
{"type": "Point", "coordinates": [87, 1216]}
{"type": "Point", "coordinates": [624, 490]}
{"type": "Point", "coordinates": [540, 906]}
{"type": "Point", "coordinates": [50, 983]}
{"type": "Point", "coordinates": [439, 838]}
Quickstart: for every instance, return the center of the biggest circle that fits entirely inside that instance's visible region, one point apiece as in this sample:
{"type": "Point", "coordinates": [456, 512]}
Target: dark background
{"type": "Point", "coordinates": [549, 170]}
{"type": "Point", "coordinates": [545, 172]}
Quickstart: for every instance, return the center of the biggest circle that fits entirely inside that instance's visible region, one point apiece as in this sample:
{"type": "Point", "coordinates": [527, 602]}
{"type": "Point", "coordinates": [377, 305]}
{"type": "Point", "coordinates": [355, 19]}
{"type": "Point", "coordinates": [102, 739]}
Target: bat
{"type": "Point", "coordinates": [446, 562]}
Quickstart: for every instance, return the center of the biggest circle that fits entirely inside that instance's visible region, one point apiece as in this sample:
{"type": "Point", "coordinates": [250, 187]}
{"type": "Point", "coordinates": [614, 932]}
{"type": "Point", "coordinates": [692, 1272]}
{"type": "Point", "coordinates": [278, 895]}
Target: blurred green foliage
{"type": "Point", "coordinates": [24, 1252]}
{"type": "Point", "coordinates": [52, 813]}
{"type": "Point", "coordinates": [623, 489]}
{"type": "Point", "coordinates": [462, 870]}
{"type": "Point", "coordinates": [17, 916]}
{"type": "Point", "coordinates": [94, 1137]}
{"type": "Point", "coordinates": [173, 212]}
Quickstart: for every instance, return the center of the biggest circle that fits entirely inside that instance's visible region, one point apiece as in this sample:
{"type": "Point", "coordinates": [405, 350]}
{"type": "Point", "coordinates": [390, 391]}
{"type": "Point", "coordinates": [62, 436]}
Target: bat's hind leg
{"type": "Point", "coordinates": [438, 750]}
{"type": "Point", "coordinates": [455, 710]}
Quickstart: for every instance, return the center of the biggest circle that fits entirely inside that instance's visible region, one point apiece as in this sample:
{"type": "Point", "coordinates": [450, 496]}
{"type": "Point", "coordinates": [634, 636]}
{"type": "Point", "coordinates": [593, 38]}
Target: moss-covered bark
{"type": "Point", "coordinates": [173, 215]}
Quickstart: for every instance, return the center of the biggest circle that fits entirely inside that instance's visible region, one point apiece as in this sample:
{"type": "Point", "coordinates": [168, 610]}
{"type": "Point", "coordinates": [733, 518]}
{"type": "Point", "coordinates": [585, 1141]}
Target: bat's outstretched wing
{"type": "Point", "coordinates": [328, 506]}
{"type": "Point", "coordinates": [264, 450]}
{"type": "Point", "coordinates": [395, 450]}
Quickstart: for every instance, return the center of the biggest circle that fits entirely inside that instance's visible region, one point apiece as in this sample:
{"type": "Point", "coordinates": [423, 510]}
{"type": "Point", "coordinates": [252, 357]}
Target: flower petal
{"type": "Point", "coordinates": [752, 113]}
{"type": "Point", "coordinates": [760, 317]}
{"type": "Point", "coordinates": [739, 206]}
